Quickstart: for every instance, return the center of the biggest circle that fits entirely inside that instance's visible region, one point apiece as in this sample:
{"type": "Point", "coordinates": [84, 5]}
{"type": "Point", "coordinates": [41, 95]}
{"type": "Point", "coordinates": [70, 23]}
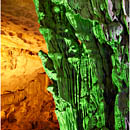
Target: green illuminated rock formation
{"type": "Point", "coordinates": [87, 60]}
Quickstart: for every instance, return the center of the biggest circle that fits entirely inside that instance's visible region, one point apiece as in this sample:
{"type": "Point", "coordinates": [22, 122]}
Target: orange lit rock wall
{"type": "Point", "coordinates": [26, 104]}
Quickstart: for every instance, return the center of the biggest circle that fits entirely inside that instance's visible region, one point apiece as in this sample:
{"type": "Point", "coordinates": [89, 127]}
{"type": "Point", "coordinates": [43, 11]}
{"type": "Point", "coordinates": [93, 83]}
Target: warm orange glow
{"type": "Point", "coordinates": [26, 103]}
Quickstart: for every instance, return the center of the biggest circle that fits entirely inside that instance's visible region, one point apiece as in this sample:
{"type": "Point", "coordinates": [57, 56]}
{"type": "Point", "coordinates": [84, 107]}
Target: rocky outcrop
{"type": "Point", "coordinates": [26, 104]}
{"type": "Point", "coordinates": [90, 78]}
{"type": "Point", "coordinates": [21, 41]}
{"type": "Point", "coordinates": [30, 108]}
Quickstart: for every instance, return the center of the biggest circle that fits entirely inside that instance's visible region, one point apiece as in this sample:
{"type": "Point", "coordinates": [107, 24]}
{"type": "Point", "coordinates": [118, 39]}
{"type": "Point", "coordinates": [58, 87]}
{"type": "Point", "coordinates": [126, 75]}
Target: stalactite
{"type": "Point", "coordinates": [87, 76]}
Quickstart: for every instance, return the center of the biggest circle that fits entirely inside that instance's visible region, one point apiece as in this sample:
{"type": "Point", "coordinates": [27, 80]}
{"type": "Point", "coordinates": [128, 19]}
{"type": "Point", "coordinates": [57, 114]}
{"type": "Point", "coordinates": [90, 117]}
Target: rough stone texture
{"type": "Point", "coordinates": [90, 78]}
{"type": "Point", "coordinates": [31, 108]}
{"type": "Point", "coordinates": [20, 43]}
{"type": "Point", "coordinates": [26, 104]}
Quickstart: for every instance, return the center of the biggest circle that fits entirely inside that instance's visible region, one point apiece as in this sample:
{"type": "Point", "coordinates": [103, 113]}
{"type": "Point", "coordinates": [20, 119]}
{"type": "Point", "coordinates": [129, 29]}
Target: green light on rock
{"type": "Point", "coordinates": [56, 9]}
{"type": "Point", "coordinates": [88, 76]}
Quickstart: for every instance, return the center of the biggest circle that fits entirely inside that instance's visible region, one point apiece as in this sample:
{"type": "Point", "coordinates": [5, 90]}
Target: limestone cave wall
{"type": "Point", "coordinates": [25, 102]}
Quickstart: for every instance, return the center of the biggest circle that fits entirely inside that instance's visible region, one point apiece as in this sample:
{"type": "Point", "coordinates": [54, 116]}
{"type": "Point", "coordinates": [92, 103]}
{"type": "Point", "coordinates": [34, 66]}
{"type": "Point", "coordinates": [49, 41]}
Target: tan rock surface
{"type": "Point", "coordinates": [20, 43]}
{"type": "Point", "coordinates": [26, 104]}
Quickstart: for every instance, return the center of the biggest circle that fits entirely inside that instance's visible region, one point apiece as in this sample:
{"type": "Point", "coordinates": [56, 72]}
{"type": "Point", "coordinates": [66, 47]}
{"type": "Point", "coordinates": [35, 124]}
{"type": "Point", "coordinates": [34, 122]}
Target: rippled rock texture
{"type": "Point", "coordinates": [87, 60]}
{"type": "Point", "coordinates": [26, 104]}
